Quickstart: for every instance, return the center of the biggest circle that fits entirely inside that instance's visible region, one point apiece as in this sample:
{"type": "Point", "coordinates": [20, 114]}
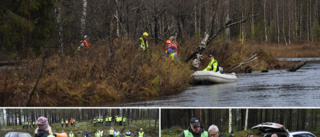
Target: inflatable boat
{"type": "Point", "coordinates": [209, 77]}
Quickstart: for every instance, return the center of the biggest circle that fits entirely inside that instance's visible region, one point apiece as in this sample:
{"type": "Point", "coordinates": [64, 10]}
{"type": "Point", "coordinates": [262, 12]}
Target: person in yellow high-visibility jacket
{"type": "Point", "coordinates": [141, 133]}
{"type": "Point", "coordinates": [71, 134]}
{"type": "Point", "coordinates": [111, 131]}
{"type": "Point", "coordinates": [110, 120]}
{"type": "Point", "coordinates": [97, 133]}
{"type": "Point", "coordinates": [67, 123]}
{"type": "Point", "coordinates": [107, 120]}
{"type": "Point", "coordinates": [213, 65]}
{"type": "Point", "coordinates": [124, 120]}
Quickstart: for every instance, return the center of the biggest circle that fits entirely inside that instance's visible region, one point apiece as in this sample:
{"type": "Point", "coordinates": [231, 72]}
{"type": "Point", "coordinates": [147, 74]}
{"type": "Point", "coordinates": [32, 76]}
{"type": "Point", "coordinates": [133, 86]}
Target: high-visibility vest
{"type": "Point", "coordinates": [172, 55]}
{"type": "Point", "coordinates": [110, 118]}
{"type": "Point", "coordinates": [26, 123]}
{"type": "Point", "coordinates": [66, 121]}
{"type": "Point", "coordinates": [71, 135]}
{"type": "Point", "coordinates": [101, 132]}
{"type": "Point", "coordinates": [94, 120]}
{"type": "Point", "coordinates": [98, 134]}
{"type": "Point", "coordinates": [187, 133]}
{"type": "Point", "coordinates": [116, 133]}
{"type": "Point", "coordinates": [111, 132]}
{"type": "Point", "coordinates": [61, 121]}
{"type": "Point", "coordinates": [124, 120]}
{"type": "Point", "coordinates": [34, 123]}
{"type": "Point", "coordinates": [107, 119]}
{"type": "Point", "coordinates": [87, 44]}
{"type": "Point", "coordinates": [128, 134]}
{"type": "Point", "coordinates": [172, 44]}
{"type": "Point", "coordinates": [120, 118]}
{"type": "Point", "coordinates": [141, 134]}
{"type": "Point", "coordinates": [144, 44]}
{"type": "Point", "coordinates": [213, 66]}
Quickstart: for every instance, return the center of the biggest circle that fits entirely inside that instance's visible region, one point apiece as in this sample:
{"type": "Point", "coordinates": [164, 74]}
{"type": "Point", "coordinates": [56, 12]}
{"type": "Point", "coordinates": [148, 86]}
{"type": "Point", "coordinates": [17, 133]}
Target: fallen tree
{"type": "Point", "coordinates": [211, 34]}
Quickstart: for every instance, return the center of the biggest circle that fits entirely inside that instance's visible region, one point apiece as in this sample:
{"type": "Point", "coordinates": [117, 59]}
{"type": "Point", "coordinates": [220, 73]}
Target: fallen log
{"type": "Point", "coordinates": [297, 66]}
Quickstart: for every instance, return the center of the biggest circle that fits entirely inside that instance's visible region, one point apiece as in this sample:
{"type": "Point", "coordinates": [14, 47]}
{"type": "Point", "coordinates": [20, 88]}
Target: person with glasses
{"type": "Point", "coordinates": [214, 131]}
{"type": "Point", "coordinates": [194, 130]}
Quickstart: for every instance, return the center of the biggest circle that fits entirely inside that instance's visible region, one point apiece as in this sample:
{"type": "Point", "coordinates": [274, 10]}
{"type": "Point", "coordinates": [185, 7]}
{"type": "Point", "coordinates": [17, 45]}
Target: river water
{"type": "Point", "coordinates": [276, 88]}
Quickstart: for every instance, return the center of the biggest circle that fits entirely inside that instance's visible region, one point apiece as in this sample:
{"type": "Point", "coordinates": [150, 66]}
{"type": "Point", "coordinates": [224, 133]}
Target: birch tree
{"type": "Point", "coordinates": [83, 18]}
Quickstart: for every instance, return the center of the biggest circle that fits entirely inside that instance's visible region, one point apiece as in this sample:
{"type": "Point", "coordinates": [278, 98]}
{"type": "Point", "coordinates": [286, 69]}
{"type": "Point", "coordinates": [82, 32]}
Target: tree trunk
{"type": "Point", "coordinates": [246, 122]}
{"type": "Point", "coordinates": [227, 20]}
{"type": "Point", "coordinates": [58, 16]}
{"type": "Point", "coordinates": [83, 18]}
{"type": "Point", "coordinates": [230, 120]}
{"type": "Point", "coordinates": [265, 20]}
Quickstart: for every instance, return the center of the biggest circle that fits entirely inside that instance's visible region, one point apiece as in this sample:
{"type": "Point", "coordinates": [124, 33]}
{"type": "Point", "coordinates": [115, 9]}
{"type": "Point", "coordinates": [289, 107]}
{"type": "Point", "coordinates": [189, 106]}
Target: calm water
{"type": "Point", "coordinates": [277, 88]}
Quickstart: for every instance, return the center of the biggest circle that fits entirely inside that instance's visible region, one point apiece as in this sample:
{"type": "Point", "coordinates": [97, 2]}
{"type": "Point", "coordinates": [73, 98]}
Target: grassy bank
{"type": "Point", "coordinates": [80, 127]}
{"type": "Point", "coordinates": [95, 76]}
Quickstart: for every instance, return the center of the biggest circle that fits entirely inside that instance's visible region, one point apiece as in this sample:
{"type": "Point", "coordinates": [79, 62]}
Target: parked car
{"type": "Point", "coordinates": [270, 128]}
{"type": "Point", "coordinates": [17, 134]}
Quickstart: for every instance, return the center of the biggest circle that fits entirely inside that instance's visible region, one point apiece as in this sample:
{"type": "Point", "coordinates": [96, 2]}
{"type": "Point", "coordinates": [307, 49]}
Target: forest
{"type": "Point", "coordinates": [173, 121]}
{"type": "Point", "coordinates": [39, 41]}
{"type": "Point", "coordinates": [12, 119]}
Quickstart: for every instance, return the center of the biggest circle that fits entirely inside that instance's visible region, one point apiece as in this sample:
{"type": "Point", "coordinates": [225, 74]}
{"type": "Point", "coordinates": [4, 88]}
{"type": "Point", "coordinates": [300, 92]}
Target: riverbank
{"type": "Point", "coordinates": [95, 76]}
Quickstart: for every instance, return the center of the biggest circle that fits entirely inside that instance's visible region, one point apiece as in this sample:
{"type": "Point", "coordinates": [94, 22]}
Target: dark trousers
{"type": "Point", "coordinates": [62, 125]}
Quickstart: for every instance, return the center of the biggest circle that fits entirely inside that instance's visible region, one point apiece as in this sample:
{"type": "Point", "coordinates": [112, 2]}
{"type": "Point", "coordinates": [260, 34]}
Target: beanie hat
{"type": "Point", "coordinates": [145, 34]}
{"type": "Point", "coordinates": [42, 123]}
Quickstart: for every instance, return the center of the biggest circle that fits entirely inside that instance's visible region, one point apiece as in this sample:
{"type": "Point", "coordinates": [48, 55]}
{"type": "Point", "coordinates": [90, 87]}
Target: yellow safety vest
{"type": "Point", "coordinates": [141, 134]}
{"type": "Point", "coordinates": [110, 118]}
{"type": "Point", "coordinates": [128, 133]}
{"type": "Point", "coordinates": [61, 121]}
{"type": "Point", "coordinates": [66, 121]}
{"type": "Point", "coordinates": [101, 132]}
{"type": "Point", "coordinates": [111, 132]}
{"type": "Point", "coordinates": [107, 119]}
{"type": "Point", "coordinates": [143, 46]}
{"type": "Point", "coordinates": [187, 133]}
{"type": "Point", "coordinates": [71, 135]}
{"type": "Point", "coordinates": [116, 133]}
{"type": "Point", "coordinates": [98, 134]}
{"type": "Point", "coordinates": [124, 120]}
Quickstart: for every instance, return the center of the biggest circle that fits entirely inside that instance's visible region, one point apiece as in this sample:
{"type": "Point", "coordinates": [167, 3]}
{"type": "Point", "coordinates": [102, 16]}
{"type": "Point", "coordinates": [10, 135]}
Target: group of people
{"type": "Point", "coordinates": [118, 120]}
{"type": "Point", "coordinates": [29, 125]}
{"type": "Point", "coordinates": [114, 133]}
{"type": "Point", "coordinates": [171, 49]}
{"type": "Point", "coordinates": [196, 130]}
{"type": "Point", "coordinates": [44, 130]}
{"type": "Point", "coordinates": [66, 122]}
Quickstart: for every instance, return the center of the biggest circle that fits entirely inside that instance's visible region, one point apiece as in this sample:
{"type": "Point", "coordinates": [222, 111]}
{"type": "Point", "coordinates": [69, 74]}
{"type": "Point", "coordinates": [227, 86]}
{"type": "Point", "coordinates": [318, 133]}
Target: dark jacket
{"type": "Point", "coordinates": [41, 133]}
{"type": "Point", "coordinates": [194, 134]}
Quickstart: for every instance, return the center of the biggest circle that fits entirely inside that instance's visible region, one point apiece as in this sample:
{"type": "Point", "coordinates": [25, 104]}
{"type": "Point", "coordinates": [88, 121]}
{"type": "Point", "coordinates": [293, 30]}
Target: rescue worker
{"type": "Point", "coordinates": [141, 133]}
{"type": "Point", "coordinates": [116, 133]}
{"type": "Point", "coordinates": [110, 120]}
{"type": "Point", "coordinates": [124, 120]}
{"type": "Point", "coordinates": [94, 122]}
{"type": "Point", "coordinates": [86, 133]}
{"type": "Point", "coordinates": [213, 65]}
{"type": "Point", "coordinates": [30, 125]}
{"type": "Point", "coordinates": [71, 122]}
{"type": "Point", "coordinates": [144, 43]}
{"type": "Point", "coordinates": [101, 132]}
{"type": "Point", "coordinates": [117, 120]}
{"type": "Point", "coordinates": [128, 133]}
{"type": "Point", "coordinates": [43, 128]}
{"type": "Point", "coordinates": [71, 134]}
{"type": "Point", "coordinates": [84, 43]}
{"type": "Point", "coordinates": [26, 124]}
{"type": "Point", "coordinates": [34, 124]}
{"type": "Point", "coordinates": [194, 130]}
{"type": "Point", "coordinates": [214, 131]}
{"type": "Point", "coordinates": [107, 120]}
{"type": "Point", "coordinates": [111, 131]}
{"type": "Point", "coordinates": [67, 122]}
{"type": "Point", "coordinates": [170, 43]}
{"type": "Point", "coordinates": [172, 54]}
{"type": "Point", "coordinates": [97, 133]}
{"type": "Point", "coordinates": [62, 123]}
{"type": "Point", "coordinates": [120, 120]}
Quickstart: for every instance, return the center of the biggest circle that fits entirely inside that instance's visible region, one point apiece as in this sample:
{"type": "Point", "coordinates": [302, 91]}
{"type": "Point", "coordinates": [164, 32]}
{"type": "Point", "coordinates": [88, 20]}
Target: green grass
{"type": "Point", "coordinates": [80, 127]}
